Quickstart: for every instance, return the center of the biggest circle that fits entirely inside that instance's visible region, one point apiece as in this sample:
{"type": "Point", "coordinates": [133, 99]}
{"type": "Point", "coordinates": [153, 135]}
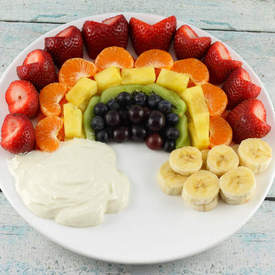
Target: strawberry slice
{"type": "Point", "coordinates": [17, 134]}
{"type": "Point", "coordinates": [188, 44]}
{"type": "Point", "coordinates": [65, 45]}
{"type": "Point", "coordinates": [22, 98]}
{"type": "Point", "coordinates": [220, 63]}
{"type": "Point", "coordinates": [239, 87]}
{"type": "Point", "coordinates": [158, 36]}
{"type": "Point", "coordinates": [38, 68]}
{"type": "Point", "coordinates": [112, 31]}
{"type": "Point", "coordinates": [248, 120]}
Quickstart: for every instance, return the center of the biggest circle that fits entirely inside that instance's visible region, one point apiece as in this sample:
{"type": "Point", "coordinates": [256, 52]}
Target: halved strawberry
{"type": "Point", "coordinates": [112, 31]}
{"type": "Point", "coordinates": [239, 87]}
{"type": "Point", "coordinates": [158, 36]}
{"type": "Point", "coordinates": [220, 63]}
{"type": "Point", "coordinates": [188, 44]}
{"type": "Point", "coordinates": [38, 68]}
{"type": "Point", "coordinates": [17, 134]}
{"type": "Point", "coordinates": [248, 120]}
{"type": "Point", "coordinates": [22, 98]}
{"type": "Point", "coordinates": [65, 45]}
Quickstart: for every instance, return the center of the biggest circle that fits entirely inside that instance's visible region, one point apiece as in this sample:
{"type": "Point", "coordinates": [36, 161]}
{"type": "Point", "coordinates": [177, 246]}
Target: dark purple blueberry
{"type": "Point", "coordinates": [172, 133]}
{"type": "Point", "coordinates": [124, 117]}
{"type": "Point", "coordinates": [156, 121]}
{"type": "Point", "coordinates": [169, 145]}
{"type": "Point", "coordinates": [113, 104]}
{"type": "Point", "coordinates": [154, 141]}
{"type": "Point", "coordinates": [112, 118]}
{"type": "Point", "coordinates": [139, 98]}
{"type": "Point", "coordinates": [138, 132]}
{"type": "Point", "coordinates": [153, 101]}
{"type": "Point", "coordinates": [172, 119]}
{"type": "Point", "coordinates": [136, 114]}
{"type": "Point", "coordinates": [100, 109]}
{"type": "Point", "coordinates": [121, 134]}
{"type": "Point", "coordinates": [97, 123]}
{"type": "Point", "coordinates": [124, 99]}
{"type": "Point", "coordinates": [102, 136]}
{"type": "Point", "coordinates": [165, 106]}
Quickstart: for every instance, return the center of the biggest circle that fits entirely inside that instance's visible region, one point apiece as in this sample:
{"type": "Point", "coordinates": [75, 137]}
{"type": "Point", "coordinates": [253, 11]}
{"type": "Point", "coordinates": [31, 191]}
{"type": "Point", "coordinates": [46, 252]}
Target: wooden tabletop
{"type": "Point", "coordinates": [248, 26]}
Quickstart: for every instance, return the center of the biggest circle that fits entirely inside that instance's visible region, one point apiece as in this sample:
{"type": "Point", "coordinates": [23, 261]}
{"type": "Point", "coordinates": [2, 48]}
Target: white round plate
{"type": "Point", "coordinates": [154, 227]}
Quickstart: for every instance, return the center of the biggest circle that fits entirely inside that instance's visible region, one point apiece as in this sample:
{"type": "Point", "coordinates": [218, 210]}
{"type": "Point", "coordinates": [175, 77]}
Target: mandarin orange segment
{"type": "Point", "coordinates": [156, 58]}
{"type": "Point", "coordinates": [216, 99]}
{"type": "Point", "coordinates": [220, 131]}
{"type": "Point", "coordinates": [46, 132]}
{"type": "Point", "coordinates": [114, 57]}
{"type": "Point", "coordinates": [50, 98]}
{"type": "Point", "coordinates": [74, 69]}
{"type": "Point", "coordinates": [197, 71]}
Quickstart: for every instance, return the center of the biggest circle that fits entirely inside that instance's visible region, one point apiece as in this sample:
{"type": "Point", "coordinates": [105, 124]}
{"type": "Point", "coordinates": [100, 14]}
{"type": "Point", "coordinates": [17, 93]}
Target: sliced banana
{"type": "Point", "coordinates": [185, 160]}
{"type": "Point", "coordinates": [203, 207]}
{"type": "Point", "coordinates": [221, 159]}
{"type": "Point", "coordinates": [255, 154]}
{"type": "Point", "coordinates": [171, 183]}
{"type": "Point", "coordinates": [237, 185]}
{"type": "Point", "coordinates": [235, 147]}
{"type": "Point", "coordinates": [201, 188]}
{"type": "Point", "coordinates": [204, 154]}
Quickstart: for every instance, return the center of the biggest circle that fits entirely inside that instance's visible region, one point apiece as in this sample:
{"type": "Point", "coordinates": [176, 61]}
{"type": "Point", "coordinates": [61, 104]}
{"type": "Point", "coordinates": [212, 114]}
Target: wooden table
{"type": "Point", "coordinates": [249, 28]}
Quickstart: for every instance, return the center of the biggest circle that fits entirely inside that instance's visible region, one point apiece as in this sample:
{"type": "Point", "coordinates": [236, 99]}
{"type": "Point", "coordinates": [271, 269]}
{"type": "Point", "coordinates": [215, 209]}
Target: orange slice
{"type": "Point", "coordinates": [46, 132]}
{"type": "Point", "coordinates": [216, 99]}
{"type": "Point", "coordinates": [157, 58]}
{"type": "Point", "coordinates": [114, 56]}
{"type": "Point", "coordinates": [197, 71]}
{"type": "Point", "coordinates": [50, 98]}
{"type": "Point", "coordinates": [74, 69]}
{"type": "Point", "coordinates": [220, 131]}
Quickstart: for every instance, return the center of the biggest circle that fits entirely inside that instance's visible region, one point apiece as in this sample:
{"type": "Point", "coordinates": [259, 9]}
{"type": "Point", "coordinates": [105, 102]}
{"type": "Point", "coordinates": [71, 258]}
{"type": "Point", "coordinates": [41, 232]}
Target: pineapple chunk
{"type": "Point", "coordinates": [143, 76]}
{"type": "Point", "coordinates": [72, 121]}
{"type": "Point", "coordinates": [199, 116]}
{"type": "Point", "coordinates": [81, 92]}
{"type": "Point", "coordinates": [108, 78]}
{"type": "Point", "coordinates": [172, 80]}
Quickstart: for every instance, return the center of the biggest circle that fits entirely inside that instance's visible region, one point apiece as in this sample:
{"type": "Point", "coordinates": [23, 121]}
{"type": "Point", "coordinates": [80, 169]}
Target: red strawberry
{"type": "Point", "coordinates": [239, 87]}
{"type": "Point", "coordinates": [112, 31]}
{"type": "Point", "coordinates": [188, 44]}
{"type": "Point", "coordinates": [22, 98]}
{"type": "Point", "coordinates": [248, 120]}
{"type": "Point", "coordinates": [158, 36]}
{"type": "Point", "coordinates": [220, 63]}
{"type": "Point", "coordinates": [65, 45]}
{"type": "Point", "coordinates": [17, 134]}
{"type": "Point", "coordinates": [38, 68]}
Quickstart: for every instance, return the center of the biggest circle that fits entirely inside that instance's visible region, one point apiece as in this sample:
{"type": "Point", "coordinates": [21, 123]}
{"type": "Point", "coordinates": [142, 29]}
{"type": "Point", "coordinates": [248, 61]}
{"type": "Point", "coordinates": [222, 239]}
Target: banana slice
{"type": "Point", "coordinates": [185, 160]}
{"type": "Point", "coordinates": [221, 159]}
{"type": "Point", "coordinates": [171, 183]}
{"type": "Point", "coordinates": [237, 185]}
{"type": "Point", "coordinates": [235, 147]}
{"type": "Point", "coordinates": [255, 154]}
{"type": "Point", "coordinates": [200, 189]}
{"type": "Point", "coordinates": [204, 154]}
{"type": "Point", "coordinates": [204, 207]}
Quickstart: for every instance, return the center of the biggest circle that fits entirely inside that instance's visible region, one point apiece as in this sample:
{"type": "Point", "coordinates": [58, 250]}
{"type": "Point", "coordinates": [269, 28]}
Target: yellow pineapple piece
{"type": "Point", "coordinates": [72, 121]}
{"type": "Point", "coordinates": [198, 116]}
{"type": "Point", "coordinates": [81, 92]}
{"type": "Point", "coordinates": [108, 78]}
{"type": "Point", "coordinates": [172, 80]}
{"type": "Point", "coordinates": [142, 76]}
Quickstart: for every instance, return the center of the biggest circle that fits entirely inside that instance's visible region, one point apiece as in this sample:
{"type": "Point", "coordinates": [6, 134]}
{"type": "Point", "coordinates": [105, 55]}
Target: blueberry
{"type": "Point", "coordinates": [124, 99]}
{"type": "Point", "coordinates": [138, 132]}
{"type": "Point", "coordinates": [113, 104]}
{"type": "Point", "coordinates": [139, 98]}
{"type": "Point", "coordinates": [102, 136]}
{"type": "Point", "coordinates": [97, 123]}
{"type": "Point", "coordinates": [172, 133]}
{"type": "Point", "coordinates": [165, 106]}
{"type": "Point", "coordinates": [112, 118]}
{"type": "Point", "coordinates": [100, 109]}
{"type": "Point", "coordinates": [169, 145]}
{"type": "Point", "coordinates": [153, 101]}
{"type": "Point", "coordinates": [172, 119]}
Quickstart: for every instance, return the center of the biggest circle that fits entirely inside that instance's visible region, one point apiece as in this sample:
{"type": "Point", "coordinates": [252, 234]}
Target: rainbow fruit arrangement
{"type": "Point", "coordinates": [167, 103]}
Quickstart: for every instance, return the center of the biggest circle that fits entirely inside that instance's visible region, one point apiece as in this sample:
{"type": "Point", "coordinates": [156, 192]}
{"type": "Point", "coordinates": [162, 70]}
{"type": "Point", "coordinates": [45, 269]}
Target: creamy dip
{"type": "Point", "coordinates": [75, 185]}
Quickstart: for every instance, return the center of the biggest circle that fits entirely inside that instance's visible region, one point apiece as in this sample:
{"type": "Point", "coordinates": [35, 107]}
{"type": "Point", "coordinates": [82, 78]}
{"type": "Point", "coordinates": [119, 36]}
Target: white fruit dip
{"type": "Point", "coordinates": [75, 185]}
